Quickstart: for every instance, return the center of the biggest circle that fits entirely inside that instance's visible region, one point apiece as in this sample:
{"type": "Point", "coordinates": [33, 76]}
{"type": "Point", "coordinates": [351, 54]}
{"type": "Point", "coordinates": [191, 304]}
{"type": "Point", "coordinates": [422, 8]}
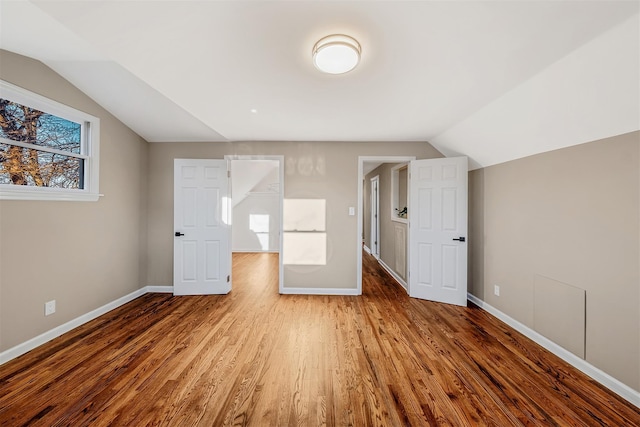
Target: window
{"type": "Point", "coordinates": [399, 187]}
{"type": "Point", "coordinates": [48, 151]}
{"type": "Point", "coordinates": [259, 224]}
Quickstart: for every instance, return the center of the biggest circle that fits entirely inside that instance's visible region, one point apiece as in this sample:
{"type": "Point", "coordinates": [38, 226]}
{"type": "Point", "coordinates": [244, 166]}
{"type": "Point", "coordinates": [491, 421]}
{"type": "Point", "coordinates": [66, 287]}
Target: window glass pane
{"type": "Point", "coordinates": [26, 166]}
{"type": "Point", "coordinates": [25, 124]}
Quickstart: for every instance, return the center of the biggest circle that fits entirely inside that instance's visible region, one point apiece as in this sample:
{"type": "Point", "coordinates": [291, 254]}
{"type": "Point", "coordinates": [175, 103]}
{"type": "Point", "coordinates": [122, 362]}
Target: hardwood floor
{"type": "Point", "coordinates": [255, 357]}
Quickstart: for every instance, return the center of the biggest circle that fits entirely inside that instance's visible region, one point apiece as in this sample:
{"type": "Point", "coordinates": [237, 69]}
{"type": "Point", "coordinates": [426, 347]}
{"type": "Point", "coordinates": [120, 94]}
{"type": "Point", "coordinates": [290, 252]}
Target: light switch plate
{"type": "Point", "coordinates": [49, 307]}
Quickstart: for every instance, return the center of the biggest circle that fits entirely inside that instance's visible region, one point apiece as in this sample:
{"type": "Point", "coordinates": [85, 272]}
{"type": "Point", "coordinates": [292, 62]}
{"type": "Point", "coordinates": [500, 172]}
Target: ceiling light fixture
{"type": "Point", "coordinates": [336, 54]}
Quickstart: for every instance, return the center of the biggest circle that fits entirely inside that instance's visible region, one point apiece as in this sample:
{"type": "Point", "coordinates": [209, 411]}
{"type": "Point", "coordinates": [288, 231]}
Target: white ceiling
{"type": "Point", "coordinates": [494, 80]}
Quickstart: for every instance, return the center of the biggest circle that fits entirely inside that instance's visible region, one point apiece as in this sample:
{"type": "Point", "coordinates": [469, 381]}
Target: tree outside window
{"type": "Point", "coordinates": [30, 165]}
{"type": "Point", "coordinates": [45, 145]}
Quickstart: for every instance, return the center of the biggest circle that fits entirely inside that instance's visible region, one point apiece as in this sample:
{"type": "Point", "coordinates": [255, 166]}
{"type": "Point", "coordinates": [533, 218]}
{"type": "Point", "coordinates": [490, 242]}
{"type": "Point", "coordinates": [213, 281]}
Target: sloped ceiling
{"type": "Point", "coordinates": [253, 175]}
{"type": "Point", "coordinates": [494, 80]}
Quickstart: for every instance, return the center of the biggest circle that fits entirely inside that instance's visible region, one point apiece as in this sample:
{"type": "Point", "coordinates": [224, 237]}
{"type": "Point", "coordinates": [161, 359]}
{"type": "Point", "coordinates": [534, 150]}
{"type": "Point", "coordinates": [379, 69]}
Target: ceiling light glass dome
{"type": "Point", "coordinates": [336, 54]}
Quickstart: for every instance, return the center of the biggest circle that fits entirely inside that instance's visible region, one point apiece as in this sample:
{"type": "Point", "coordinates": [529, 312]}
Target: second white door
{"type": "Point", "coordinates": [438, 230]}
{"type": "Point", "coordinates": [202, 256]}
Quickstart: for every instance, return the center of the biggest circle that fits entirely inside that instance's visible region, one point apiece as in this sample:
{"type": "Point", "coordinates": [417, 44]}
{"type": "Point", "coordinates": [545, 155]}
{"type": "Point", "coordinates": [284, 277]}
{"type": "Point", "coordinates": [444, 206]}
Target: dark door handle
{"type": "Point", "coordinates": [178, 234]}
{"type": "Point", "coordinates": [461, 239]}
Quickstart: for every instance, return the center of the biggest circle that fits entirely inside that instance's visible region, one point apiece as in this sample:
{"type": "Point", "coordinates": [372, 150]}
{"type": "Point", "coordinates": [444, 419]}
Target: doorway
{"type": "Point", "coordinates": [426, 221]}
{"type": "Point", "coordinates": [374, 207]}
{"type": "Point", "coordinates": [257, 192]}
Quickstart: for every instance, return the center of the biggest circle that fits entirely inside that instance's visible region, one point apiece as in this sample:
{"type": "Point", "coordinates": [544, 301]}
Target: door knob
{"type": "Point", "coordinates": [178, 234]}
{"type": "Point", "coordinates": [461, 239]}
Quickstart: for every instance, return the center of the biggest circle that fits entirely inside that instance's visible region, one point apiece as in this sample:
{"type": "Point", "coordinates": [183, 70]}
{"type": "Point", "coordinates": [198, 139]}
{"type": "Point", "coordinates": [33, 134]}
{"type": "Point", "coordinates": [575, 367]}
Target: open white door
{"type": "Point", "coordinates": [201, 251]}
{"type": "Point", "coordinates": [438, 230]}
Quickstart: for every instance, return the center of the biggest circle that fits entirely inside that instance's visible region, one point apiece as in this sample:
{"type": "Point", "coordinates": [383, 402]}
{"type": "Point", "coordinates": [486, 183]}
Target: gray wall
{"type": "Point", "coordinates": [82, 254]}
{"type": "Point", "coordinates": [321, 170]}
{"type": "Point", "coordinates": [569, 216]}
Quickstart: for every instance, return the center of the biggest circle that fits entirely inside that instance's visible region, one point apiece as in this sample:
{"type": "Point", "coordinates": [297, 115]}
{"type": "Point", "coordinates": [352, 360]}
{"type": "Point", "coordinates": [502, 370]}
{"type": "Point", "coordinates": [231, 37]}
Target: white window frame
{"type": "Point", "coordinates": [89, 151]}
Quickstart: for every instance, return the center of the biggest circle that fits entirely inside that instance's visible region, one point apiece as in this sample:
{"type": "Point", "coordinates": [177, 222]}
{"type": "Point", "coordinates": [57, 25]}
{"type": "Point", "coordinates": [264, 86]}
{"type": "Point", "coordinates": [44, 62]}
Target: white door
{"type": "Point", "coordinates": [201, 251]}
{"type": "Point", "coordinates": [375, 219]}
{"type": "Point", "coordinates": [438, 230]}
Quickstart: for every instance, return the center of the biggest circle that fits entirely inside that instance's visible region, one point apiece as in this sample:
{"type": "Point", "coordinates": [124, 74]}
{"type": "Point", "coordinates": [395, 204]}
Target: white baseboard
{"type": "Point", "coordinates": [366, 249]}
{"type": "Point", "coordinates": [29, 345]}
{"type": "Point", "coordinates": [603, 378]}
{"type": "Point", "coordinates": [600, 376]}
{"type": "Point", "coordinates": [393, 274]}
{"type": "Point", "coordinates": [160, 289]}
{"type": "Point", "coordinates": [319, 291]}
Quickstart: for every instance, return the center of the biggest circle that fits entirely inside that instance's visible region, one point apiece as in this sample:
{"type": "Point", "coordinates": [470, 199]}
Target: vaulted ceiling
{"type": "Point", "coordinates": [494, 80]}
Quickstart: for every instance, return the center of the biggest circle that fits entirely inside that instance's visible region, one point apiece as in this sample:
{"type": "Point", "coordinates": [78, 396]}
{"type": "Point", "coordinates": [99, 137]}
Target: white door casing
{"type": "Point", "coordinates": [201, 250]}
{"type": "Point", "coordinates": [280, 159]}
{"type": "Point", "coordinates": [438, 230]}
{"type": "Point", "coordinates": [375, 218]}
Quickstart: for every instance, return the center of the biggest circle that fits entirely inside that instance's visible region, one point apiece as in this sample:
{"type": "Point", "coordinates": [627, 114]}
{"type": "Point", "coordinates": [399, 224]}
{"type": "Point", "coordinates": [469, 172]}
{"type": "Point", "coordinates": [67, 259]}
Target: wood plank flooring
{"type": "Point", "coordinates": [255, 357]}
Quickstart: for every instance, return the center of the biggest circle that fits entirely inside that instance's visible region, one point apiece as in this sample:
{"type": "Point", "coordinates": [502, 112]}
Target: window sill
{"type": "Point", "coordinates": [71, 196]}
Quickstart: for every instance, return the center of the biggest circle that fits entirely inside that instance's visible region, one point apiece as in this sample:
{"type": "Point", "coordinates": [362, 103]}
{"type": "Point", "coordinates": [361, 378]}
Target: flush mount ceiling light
{"type": "Point", "coordinates": [336, 54]}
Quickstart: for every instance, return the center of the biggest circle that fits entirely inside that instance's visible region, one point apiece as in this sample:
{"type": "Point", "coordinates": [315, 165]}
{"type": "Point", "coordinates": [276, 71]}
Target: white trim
{"type": "Point", "coordinates": [29, 345]}
{"type": "Point", "coordinates": [45, 193]}
{"type": "Point", "coordinates": [319, 291]}
{"type": "Point", "coordinates": [374, 216]}
{"type": "Point", "coordinates": [31, 99]}
{"type": "Point", "coordinates": [159, 289]}
{"type": "Point", "coordinates": [393, 274]}
{"type": "Point", "coordinates": [44, 148]}
{"type": "Point", "coordinates": [90, 151]}
{"type": "Point", "coordinates": [401, 220]}
{"type": "Point", "coordinates": [366, 249]}
{"type": "Point", "coordinates": [603, 378]}
{"type": "Point", "coordinates": [280, 159]}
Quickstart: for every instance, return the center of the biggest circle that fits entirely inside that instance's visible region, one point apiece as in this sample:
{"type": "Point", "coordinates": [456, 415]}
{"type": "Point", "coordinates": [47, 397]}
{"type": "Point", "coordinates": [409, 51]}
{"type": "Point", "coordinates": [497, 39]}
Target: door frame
{"type": "Point", "coordinates": [375, 223]}
{"type": "Point", "coordinates": [280, 159]}
{"type": "Point", "coordinates": [361, 161]}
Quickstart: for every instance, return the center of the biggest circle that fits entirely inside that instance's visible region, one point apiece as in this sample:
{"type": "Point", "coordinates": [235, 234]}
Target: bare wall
{"type": "Point", "coordinates": [82, 254]}
{"type": "Point", "coordinates": [313, 170]}
{"type": "Point", "coordinates": [243, 238]}
{"type": "Point", "coordinates": [573, 216]}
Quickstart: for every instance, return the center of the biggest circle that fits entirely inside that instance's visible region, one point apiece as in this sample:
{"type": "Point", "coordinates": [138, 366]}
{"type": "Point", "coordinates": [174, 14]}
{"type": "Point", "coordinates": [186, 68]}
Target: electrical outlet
{"type": "Point", "coordinates": [496, 290]}
{"type": "Point", "coordinates": [49, 307]}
